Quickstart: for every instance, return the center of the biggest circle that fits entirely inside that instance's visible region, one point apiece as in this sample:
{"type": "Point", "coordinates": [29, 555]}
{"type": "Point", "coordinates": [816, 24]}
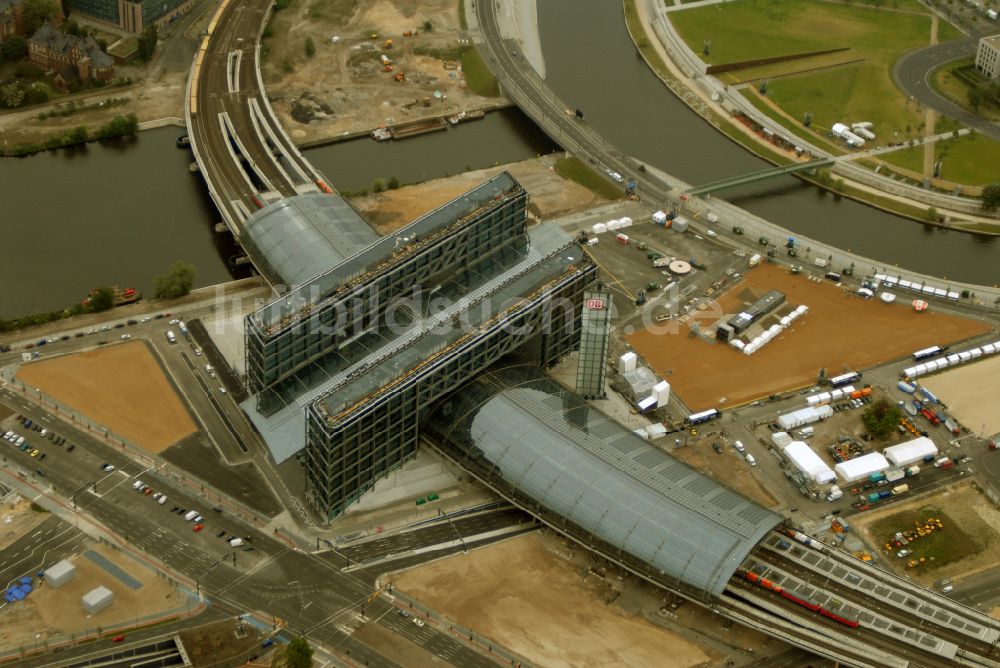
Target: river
{"type": "Point", "coordinates": [623, 99]}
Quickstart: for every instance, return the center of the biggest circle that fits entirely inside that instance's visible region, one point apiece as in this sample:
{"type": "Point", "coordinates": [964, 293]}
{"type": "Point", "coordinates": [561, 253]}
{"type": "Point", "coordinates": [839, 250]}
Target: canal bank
{"type": "Point", "coordinates": [626, 103]}
{"type": "Point", "coordinates": [664, 52]}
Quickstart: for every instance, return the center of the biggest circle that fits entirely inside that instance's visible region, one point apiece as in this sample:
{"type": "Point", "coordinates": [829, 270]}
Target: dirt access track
{"type": "Point", "coordinates": [120, 386]}
{"type": "Point", "coordinates": [541, 610]}
{"type": "Point", "coordinates": [840, 332]}
{"type": "Point", "coordinates": [972, 393]}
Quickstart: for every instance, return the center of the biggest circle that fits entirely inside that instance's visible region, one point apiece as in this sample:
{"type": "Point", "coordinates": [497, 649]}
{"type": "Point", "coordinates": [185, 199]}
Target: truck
{"type": "Point", "coordinates": [184, 330]}
{"type": "Point", "coordinates": [944, 463]}
{"type": "Point", "coordinates": [755, 259]}
{"type": "Point", "coordinates": [171, 337]}
{"type": "Point", "coordinates": [905, 387]}
{"type": "Point", "coordinates": [875, 477]}
{"type": "Point", "coordinates": [820, 262]}
{"type": "Point", "coordinates": [873, 497]}
{"type": "Point", "coordinates": [900, 489]}
{"type": "Point", "coordinates": [661, 262]}
{"type": "Point", "coordinates": [894, 475]}
{"type": "Point", "coordinates": [912, 471]}
{"type": "Point", "coordinates": [885, 494]}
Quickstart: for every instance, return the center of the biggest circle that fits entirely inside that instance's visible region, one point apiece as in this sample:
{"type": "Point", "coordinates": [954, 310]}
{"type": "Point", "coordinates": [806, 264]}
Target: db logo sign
{"type": "Point", "coordinates": [596, 304]}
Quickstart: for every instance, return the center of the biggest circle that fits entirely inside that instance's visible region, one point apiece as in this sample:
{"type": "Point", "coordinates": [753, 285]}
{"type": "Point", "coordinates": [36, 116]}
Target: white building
{"type": "Point", "coordinates": [988, 57]}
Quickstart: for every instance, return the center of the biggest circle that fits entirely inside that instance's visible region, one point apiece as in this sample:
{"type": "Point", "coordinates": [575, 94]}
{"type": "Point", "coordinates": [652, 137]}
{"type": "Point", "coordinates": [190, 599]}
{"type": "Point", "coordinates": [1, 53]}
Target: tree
{"type": "Point", "coordinates": [310, 47]}
{"type": "Point", "coordinates": [37, 12]}
{"type": "Point", "coordinates": [15, 48]}
{"type": "Point", "coordinates": [977, 95]}
{"type": "Point", "coordinates": [932, 214]}
{"type": "Point", "coordinates": [394, 182]}
{"type": "Point", "coordinates": [102, 299]}
{"type": "Point", "coordinates": [991, 197]}
{"type": "Point", "coordinates": [177, 282]}
{"type": "Point", "coordinates": [881, 418]}
{"type": "Point", "coordinates": [77, 135]}
{"type": "Point", "coordinates": [378, 185]}
{"type": "Point", "coordinates": [147, 43]}
{"type": "Point", "coordinates": [12, 95]}
{"type": "Point", "coordinates": [71, 27]}
{"type": "Point", "coordinates": [297, 654]}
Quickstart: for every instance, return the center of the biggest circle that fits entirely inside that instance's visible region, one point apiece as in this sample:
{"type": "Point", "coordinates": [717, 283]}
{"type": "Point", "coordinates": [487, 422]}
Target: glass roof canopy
{"type": "Point", "coordinates": [541, 439]}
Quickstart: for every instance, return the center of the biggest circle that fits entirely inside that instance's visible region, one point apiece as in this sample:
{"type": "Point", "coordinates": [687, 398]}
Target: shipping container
{"type": "Point", "coordinates": [900, 489]}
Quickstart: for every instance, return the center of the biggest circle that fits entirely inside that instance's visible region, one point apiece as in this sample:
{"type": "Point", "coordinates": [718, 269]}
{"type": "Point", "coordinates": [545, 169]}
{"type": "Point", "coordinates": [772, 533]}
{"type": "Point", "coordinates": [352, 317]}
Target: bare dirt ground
{"type": "Point", "coordinates": [967, 508]}
{"type": "Point", "coordinates": [723, 468]}
{"type": "Point", "coordinates": [542, 610]}
{"type": "Point", "coordinates": [342, 88]}
{"type": "Point", "coordinates": [17, 519]}
{"type": "Point", "coordinates": [57, 615]}
{"type": "Point", "coordinates": [839, 332]}
{"type": "Point", "coordinates": [216, 641]}
{"type": "Point", "coordinates": [120, 386]}
{"type": "Point", "coordinates": [972, 394]}
{"type": "Point", "coordinates": [550, 195]}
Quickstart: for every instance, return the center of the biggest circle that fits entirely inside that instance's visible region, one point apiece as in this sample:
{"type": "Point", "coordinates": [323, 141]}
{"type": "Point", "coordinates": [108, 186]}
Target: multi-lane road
{"type": "Point", "coordinates": [306, 593]}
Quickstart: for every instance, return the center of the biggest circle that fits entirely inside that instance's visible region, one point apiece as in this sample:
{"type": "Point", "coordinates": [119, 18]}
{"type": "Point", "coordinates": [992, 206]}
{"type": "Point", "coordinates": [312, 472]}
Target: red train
{"type": "Point", "coordinates": [796, 598]}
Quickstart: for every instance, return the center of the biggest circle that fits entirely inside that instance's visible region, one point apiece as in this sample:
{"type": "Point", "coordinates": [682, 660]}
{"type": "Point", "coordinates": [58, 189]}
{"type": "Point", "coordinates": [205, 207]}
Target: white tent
{"type": "Point", "coordinates": [910, 452]}
{"type": "Point", "coordinates": [781, 439]}
{"type": "Point", "coordinates": [599, 228]}
{"type": "Point", "coordinates": [861, 467]}
{"type": "Point", "coordinates": [804, 416]}
{"type": "Point", "coordinates": [625, 222]}
{"type": "Point", "coordinates": [808, 462]}
{"type": "Point", "coordinates": [786, 321]}
{"type": "Point", "coordinates": [775, 329]}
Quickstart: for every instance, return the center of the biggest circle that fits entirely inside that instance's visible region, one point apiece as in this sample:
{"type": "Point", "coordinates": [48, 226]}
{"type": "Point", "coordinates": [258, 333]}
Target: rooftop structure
{"type": "Point", "coordinates": [740, 322]}
{"type": "Point", "coordinates": [297, 238]}
{"type": "Point", "coordinates": [525, 434]}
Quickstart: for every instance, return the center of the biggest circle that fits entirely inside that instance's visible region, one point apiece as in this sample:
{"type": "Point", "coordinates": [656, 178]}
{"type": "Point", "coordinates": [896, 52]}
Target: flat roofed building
{"type": "Point", "coordinates": [751, 314]}
{"type": "Point", "coordinates": [988, 57]}
{"type": "Point", "coordinates": [544, 448]}
{"type": "Point", "coordinates": [131, 15]}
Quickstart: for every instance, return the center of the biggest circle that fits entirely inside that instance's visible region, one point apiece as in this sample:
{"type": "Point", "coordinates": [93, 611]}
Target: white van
{"type": "Point", "coordinates": [138, 485]}
{"type": "Point", "coordinates": [171, 337]}
{"type": "Point", "coordinates": [750, 460]}
{"type": "Point", "coordinates": [235, 542]}
{"type": "Point", "coordinates": [806, 432]}
{"type": "Point", "coordinates": [191, 514]}
{"type": "Point", "coordinates": [739, 446]}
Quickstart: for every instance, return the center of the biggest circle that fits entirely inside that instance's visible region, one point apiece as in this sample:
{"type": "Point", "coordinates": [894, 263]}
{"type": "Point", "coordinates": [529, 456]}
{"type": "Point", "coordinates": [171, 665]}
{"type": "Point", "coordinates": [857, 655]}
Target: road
{"type": "Point", "coordinates": [244, 155]}
{"type": "Point", "coordinates": [50, 542]}
{"type": "Point", "coordinates": [307, 593]}
{"type": "Point", "coordinates": [912, 74]}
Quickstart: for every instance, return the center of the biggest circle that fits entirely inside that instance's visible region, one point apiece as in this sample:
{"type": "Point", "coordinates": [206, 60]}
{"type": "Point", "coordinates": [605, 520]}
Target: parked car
{"type": "Point", "coordinates": [107, 467]}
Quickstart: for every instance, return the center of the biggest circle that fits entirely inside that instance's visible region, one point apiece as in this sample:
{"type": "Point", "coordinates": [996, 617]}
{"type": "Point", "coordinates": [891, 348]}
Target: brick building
{"type": "Point", "coordinates": [70, 56]}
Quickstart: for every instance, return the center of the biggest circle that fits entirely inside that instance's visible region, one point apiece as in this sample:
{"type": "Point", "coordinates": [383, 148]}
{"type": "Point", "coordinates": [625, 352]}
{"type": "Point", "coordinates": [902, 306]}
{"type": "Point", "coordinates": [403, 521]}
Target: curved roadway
{"type": "Point", "coordinates": [245, 156]}
{"type": "Point", "coordinates": [912, 74]}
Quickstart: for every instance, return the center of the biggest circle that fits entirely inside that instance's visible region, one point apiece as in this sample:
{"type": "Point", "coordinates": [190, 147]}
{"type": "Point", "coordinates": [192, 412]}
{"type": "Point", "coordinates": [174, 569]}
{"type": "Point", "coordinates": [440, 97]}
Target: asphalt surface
{"type": "Point", "coordinates": [50, 542]}
{"type": "Point", "coordinates": [308, 594]}
{"type": "Point", "coordinates": [912, 74]}
{"type": "Point", "coordinates": [217, 153]}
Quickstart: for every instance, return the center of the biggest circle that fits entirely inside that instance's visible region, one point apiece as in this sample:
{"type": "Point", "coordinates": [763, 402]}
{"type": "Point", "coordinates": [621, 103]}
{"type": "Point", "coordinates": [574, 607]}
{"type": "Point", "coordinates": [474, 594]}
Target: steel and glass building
{"type": "Point", "coordinates": [341, 369]}
{"type": "Point", "coordinates": [541, 446]}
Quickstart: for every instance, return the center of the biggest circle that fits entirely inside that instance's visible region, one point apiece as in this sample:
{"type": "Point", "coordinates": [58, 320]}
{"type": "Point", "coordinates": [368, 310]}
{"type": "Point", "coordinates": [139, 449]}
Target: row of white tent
{"type": "Point", "coordinates": [833, 395]}
{"type": "Point", "coordinates": [614, 224]}
{"type": "Point", "coordinates": [770, 333]}
{"type": "Point", "coordinates": [897, 456]}
{"type": "Point", "coordinates": [804, 416]}
{"type": "Point", "coordinates": [922, 288]}
{"type": "Point", "coordinates": [808, 462]}
{"type": "Point", "coordinates": [930, 366]}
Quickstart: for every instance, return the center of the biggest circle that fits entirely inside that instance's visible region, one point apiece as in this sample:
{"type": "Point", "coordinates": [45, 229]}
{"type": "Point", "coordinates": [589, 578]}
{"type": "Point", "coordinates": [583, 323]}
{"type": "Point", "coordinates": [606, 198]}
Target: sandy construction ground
{"type": "Point", "coordinates": [549, 195]}
{"type": "Point", "coordinates": [839, 332]}
{"type": "Point", "coordinates": [968, 508]}
{"type": "Point", "coordinates": [120, 386]}
{"type": "Point", "coordinates": [541, 609]}
{"type": "Point", "coordinates": [57, 615]}
{"type": "Point", "coordinates": [972, 393]}
{"type": "Point", "coordinates": [727, 468]}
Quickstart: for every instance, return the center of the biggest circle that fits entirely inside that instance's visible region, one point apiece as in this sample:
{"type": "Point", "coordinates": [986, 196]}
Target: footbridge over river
{"type": "Point", "coordinates": [245, 156]}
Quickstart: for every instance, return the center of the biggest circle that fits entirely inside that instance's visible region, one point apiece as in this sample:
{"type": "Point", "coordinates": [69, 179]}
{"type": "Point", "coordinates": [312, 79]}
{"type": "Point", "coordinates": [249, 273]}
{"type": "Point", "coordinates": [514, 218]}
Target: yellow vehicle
{"type": "Point", "coordinates": [34, 453]}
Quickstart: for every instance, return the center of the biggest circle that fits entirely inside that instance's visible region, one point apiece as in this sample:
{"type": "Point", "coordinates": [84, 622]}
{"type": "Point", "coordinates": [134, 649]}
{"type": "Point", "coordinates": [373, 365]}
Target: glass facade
{"type": "Point", "coordinates": [594, 335]}
{"type": "Point", "coordinates": [103, 10]}
{"type": "Point", "coordinates": [540, 445]}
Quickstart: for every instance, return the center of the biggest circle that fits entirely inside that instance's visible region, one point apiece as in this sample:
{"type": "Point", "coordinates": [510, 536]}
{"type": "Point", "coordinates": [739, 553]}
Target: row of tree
{"type": "Point", "coordinates": [984, 95]}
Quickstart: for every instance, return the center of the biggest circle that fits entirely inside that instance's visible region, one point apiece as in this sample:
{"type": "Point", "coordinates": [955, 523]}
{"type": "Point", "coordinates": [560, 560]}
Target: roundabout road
{"type": "Point", "coordinates": [912, 73]}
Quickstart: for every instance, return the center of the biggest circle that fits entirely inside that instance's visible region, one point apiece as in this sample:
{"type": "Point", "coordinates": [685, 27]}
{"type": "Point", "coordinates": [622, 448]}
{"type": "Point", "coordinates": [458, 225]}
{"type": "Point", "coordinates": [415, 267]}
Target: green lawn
{"type": "Point", "coordinates": [795, 129]}
{"type": "Point", "coordinates": [911, 158]}
{"type": "Point", "coordinates": [575, 170]}
{"type": "Point", "coordinates": [477, 76]}
{"type": "Point", "coordinates": [972, 159]}
{"type": "Point", "coordinates": [941, 547]}
{"type": "Point", "coordinates": [745, 29]}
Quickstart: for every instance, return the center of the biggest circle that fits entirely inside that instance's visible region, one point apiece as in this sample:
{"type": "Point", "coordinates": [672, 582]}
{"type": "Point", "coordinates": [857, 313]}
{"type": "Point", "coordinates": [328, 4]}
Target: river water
{"type": "Point", "coordinates": [121, 212]}
{"type": "Point", "coordinates": [621, 97]}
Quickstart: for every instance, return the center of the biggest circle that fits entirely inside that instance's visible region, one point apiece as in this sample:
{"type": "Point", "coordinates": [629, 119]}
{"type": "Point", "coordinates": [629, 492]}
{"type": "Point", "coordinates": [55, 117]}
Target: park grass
{"type": "Point", "coordinates": [939, 548]}
{"type": "Point", "coordinates": [794, 128]}
{"type": "Point", "coordinates": [478, 77]}
{"type": "Point", "coordinates": [463, 22]}
{"type": "Point", "coordinates": [576, 170]}
{"type": "Point", "coordinates": [911, 158]}
{"type": "Point", "coordinates": [955, 89]}
{"type": "Point", "coordinates": [789, 68]}
{"type": "Point", "coordinates": [973, 159]}
{"type": "Point", "coordinates": [744, 30]}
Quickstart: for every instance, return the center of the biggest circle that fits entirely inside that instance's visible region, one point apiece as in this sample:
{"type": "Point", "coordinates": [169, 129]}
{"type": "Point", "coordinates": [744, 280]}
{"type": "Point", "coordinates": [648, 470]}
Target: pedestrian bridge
{"type": "Point", "coordinates": [755, 177]}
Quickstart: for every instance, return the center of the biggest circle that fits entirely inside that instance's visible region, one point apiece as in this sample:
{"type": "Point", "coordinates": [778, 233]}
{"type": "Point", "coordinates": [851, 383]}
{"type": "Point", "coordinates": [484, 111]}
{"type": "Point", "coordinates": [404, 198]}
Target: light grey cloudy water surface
{"type": "Point", "coordinates": [592, 65]}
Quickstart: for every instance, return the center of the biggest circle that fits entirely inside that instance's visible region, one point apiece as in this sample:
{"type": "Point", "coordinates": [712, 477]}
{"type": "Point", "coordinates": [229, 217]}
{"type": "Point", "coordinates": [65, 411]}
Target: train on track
{"type": "Point", "coordinates": [843, 616]}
